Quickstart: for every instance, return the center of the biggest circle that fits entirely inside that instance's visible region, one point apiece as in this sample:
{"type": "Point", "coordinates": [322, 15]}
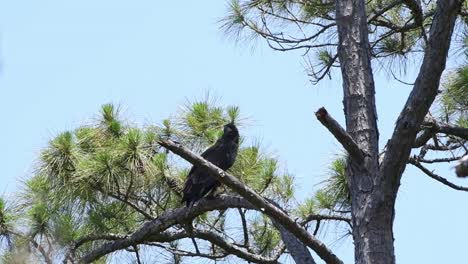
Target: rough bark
{"type": "Point", "coordinates": [372, 221]}
{"type": "Point", "coordinates": [447, 129]}
{"type": "Point", "coordinates": [341, 135]}
{"type": "Point", "coordinates": [298, 250]}
{"type": "Point", "coordinates": [373, 186]}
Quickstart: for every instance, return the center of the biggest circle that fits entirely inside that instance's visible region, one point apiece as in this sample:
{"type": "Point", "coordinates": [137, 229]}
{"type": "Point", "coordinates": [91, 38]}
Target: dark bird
{"type": "Point", "coordinates": [222, 154]}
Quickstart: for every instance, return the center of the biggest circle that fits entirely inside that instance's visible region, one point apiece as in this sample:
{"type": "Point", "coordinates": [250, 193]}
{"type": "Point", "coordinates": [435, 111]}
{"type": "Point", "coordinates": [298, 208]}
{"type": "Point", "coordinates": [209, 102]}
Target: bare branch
{"type": "Point", "coordinates": [416, 11]}
{"type": "Point", "coordinates": [442, 148]}
{"type": "Point", "coordinates": [244, 227]}
{"type": "Point", "coordinates": [219, 241]}
{"type": "Point", "coordinates": [69, 255]}
{"type": "Point", "coordinates": [129, 203]}
{"type": "Point", "coordinates": [323, 71]}
{"type": "Point", "coordinates": [185, 253]}
{"type": "Point", "coordinates": [340, 134]}
{"type": "Point", "coordinates": [436, 177]}
{"type": "Point", "coordinates": [298, 250]}
{"type": "Point", "coordinates": [317, 217]}
{"type": "Point", "coordinates": [166, 220]}
{"type": "Point", "coordinates": [137, 254]}
{"type": "Point", "coordinates": [439, 160]}
{"type": "Point", "coordinates": [422, 139]}
{"type": "Point", "coordinates": [457, 131]}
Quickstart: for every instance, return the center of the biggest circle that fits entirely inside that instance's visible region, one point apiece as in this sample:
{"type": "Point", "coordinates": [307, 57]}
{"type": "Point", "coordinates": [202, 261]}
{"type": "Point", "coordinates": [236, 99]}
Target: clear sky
{"type": "Point", "coordinates": [61, 60]}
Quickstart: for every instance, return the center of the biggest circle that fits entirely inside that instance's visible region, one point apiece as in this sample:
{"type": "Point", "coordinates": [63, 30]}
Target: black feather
{"type": "Point", "coordinates": [222, 154]}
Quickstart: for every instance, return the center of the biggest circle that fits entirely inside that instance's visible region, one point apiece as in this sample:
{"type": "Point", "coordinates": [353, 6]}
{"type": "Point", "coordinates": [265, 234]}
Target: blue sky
{"type": "Point", "coordinates": [61, 60]}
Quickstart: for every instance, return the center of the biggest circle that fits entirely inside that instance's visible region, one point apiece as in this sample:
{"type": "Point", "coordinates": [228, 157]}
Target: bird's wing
{"type": "Point", "coordinates": [195, 173]}
{"type": "Point", "coordinates": [198, 184]}
{"type": "Point", "coordinates": [212, 151]}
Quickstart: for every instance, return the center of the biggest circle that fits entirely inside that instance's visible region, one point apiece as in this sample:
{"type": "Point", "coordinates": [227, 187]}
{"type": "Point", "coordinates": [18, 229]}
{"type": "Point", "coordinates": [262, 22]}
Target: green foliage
{"type": "Point", "coordinates": [7, 220]}
{"type": "Point", "coordinates": [254, 169]}
{"type": "Point", "coordinates": [107, 177]}
{"type": "Point", "coordinates": [65, 229]}
{"type": "Point", "coordinates": [204, 121]}
{"type": "Point", "coordinates": [455, 96]}
{"type": "Point", "coordinates": [15, 257]}
{"type": "Point", "coordinates": [454, 99]}
{"type": "Point", "coordinates": [308, 207]}
{"type": "Point", "coordinates": [463, 122]}
{"type": "Point", "coordinates": [335, 193]}
{"type": "Point", "coordinates": [325, 57]}
{"type": "Point", "coordinates": [110, 122]}
{"type": "Point", "coordinates": [310, 26]}
{"type": "Point", "coordinates": [91, 179]}
{"type": "Point", "coordinates": [233, 113]}
{"type": "Point", "coordinates": [110, 218]}
{"type": "Point", "coordinates": [284, 187]}
{"type": "Point", "coordinates": [266, 237]}
{"type": "Point", "coordinates": [39, 216]}
{"type": "Point", "coordinates": [60, 157]}
{"type": "Point", "coordinates": [316, 8]}
{"type": "Point", "coordinates": [235, 19]}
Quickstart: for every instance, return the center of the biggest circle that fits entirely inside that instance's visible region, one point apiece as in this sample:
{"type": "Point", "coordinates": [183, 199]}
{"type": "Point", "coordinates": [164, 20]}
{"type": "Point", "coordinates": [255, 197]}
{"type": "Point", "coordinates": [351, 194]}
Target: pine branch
{"type": "Point", "coordinates": [69, 255]}
{"type": "Point", "coordinates": [340, 134]}
{"type": "Point", "coordinates": [164, 221]}
{"type": "Point", "coordinates": [258, 201]}
{"type": "Point", "coordinates": [218, 240]}
{"type": "Point", "coordinates": [436, 177]}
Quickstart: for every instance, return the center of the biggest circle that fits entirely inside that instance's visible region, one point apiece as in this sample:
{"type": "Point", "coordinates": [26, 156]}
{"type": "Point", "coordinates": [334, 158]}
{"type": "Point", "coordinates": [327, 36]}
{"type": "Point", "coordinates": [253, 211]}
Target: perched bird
{"type": "Point", "coordinates": [222, 154]}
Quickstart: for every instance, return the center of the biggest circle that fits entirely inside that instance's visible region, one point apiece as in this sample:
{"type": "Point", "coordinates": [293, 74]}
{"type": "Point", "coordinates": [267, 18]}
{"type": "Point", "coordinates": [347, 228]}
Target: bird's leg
{"type": "Point", "coordinates": [213, 193]}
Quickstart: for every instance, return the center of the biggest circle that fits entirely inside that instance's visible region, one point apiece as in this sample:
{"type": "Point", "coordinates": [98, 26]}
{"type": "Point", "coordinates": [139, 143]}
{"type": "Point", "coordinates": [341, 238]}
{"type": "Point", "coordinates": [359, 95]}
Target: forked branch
{"type": "Point", "coordinates": [423, 94]}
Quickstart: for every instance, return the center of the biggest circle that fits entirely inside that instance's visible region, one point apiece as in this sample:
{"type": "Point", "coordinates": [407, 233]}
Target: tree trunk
{"type": "Point", "coordinates": [373, 228]}
{"type": "Point", "coordinates": [373, 187]}
{"type": "Point", "coordinates": [372, 212]}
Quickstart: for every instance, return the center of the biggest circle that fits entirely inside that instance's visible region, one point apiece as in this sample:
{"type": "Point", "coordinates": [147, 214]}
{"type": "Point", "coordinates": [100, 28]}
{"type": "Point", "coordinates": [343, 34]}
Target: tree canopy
{"type": "Point", "coordinates": [102, 181]}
